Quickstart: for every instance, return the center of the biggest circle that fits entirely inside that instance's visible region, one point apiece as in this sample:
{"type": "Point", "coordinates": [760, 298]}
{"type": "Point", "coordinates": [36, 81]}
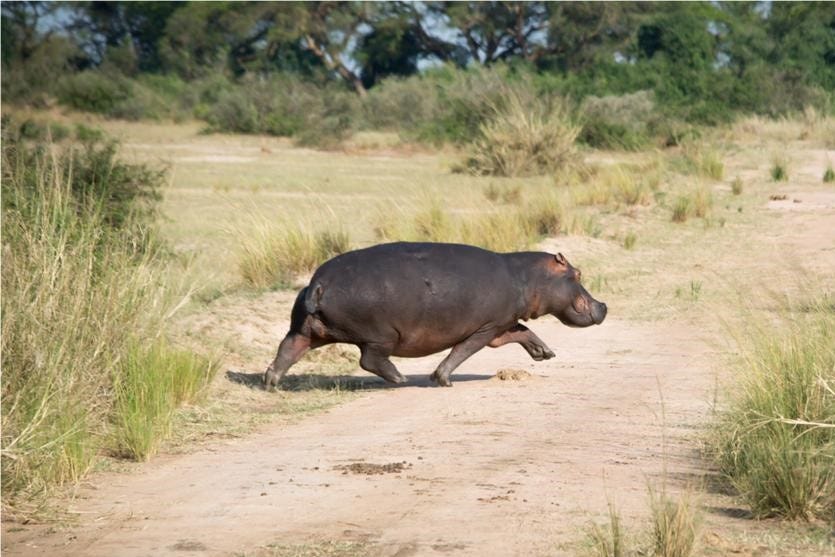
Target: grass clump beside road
{"type": "Point", "coordinates": [81, 287]}
{"type": "Point", "coordinates": [776, 440]}
{"type": "Point", "coordinates": [672, 532]}
{"type": "Point", "coordinates": [272, 254]}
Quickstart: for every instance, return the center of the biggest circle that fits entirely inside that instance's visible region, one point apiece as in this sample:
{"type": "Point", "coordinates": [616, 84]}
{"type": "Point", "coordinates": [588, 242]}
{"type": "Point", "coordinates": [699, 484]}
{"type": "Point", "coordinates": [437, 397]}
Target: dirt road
{"type": "Point", "coordinates": [489, 467]}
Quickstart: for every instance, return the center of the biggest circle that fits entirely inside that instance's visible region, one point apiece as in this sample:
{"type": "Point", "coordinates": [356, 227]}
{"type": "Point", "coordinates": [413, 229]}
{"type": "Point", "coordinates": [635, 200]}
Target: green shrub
{"type": "Point", "coordinates": [92, 91]}
{"type": "Point", "coordinates": [775, 441]}
{"type": "Point", "coordinates": [618, 122]}
{"type": "Point", "coordinates": [524, 137]}
{"type": "Point", "coordinates": [829, 175]}
{"type": "Point", "coordinates": [76, 289]}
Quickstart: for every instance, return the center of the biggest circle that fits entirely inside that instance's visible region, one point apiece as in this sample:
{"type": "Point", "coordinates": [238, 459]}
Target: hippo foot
{"type": "Point", "coordinates": [539, 353]}
{"type": "Point", "coordinates": [441, 380]}
{"type": "Point", "coordinates": [271, 379]}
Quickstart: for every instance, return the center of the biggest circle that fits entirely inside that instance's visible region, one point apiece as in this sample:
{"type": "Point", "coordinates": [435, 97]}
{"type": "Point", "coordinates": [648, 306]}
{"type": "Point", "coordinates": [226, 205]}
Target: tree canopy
{"type": "Point", "coordinates": [681, 50]}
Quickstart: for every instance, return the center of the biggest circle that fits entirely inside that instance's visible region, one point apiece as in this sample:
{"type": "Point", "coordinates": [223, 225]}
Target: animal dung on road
{"type": "Point", "coordinates": [512, 374]}
{"type": "Point", "coordinates": [370, 469]}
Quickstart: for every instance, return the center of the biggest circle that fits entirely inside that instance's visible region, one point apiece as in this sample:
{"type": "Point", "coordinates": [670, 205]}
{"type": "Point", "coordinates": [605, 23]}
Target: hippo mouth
{"type": "Point", "coordinates": [598, 312]}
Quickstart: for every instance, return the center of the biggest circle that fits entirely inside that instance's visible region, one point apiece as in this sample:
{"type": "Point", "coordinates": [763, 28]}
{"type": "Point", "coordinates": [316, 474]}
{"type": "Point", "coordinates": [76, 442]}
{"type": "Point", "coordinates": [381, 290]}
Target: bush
{"type": "Point", "coordinates": [776, 439]}
{"type": "Point", "coordinates": [77, 291]}
{"type": "Point", "coordinates": [93, 91]}
{"type": "Point", "coordinates": [618, 122]}
{"type": "Point", "coordinates": [284, 106]}
{"type": "Point", "coordinates": [524, 137]}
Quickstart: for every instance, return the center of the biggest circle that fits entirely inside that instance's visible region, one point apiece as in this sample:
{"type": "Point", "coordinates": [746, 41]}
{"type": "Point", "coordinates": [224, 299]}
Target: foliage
{"type": "Point", "coordinates": [524, 137]}
{"type": "Point", "coordinates": [775, 441]}
{"type": "Point", "coordinates": [638, 72]}
{"type": "Point", "coordinates": [618, 121]}
{"type": "Point", "coordinates": [79, 288]}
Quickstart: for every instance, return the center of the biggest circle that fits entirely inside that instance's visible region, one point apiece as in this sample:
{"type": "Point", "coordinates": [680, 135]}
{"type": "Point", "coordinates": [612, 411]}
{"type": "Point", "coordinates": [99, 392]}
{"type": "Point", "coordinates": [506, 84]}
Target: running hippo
{"type": "Point", "coordinates": [415, 299]}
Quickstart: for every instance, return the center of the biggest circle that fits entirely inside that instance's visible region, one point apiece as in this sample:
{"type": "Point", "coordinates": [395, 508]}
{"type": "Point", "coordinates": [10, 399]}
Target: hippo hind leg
{"type": "Point", "coordinates": [375, 358]}
{"type": "Point", "coordinates": [291, 349]}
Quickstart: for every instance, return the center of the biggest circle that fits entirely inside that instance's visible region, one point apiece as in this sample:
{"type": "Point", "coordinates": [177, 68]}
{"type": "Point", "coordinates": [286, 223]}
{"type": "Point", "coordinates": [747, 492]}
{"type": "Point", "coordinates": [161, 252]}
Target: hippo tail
{"type": "Point", "coordinates": [311, 295]}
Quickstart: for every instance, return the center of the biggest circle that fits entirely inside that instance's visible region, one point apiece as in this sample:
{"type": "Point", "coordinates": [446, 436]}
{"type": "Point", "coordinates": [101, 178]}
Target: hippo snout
{"type": "Point", "coordinates": [598, 312]}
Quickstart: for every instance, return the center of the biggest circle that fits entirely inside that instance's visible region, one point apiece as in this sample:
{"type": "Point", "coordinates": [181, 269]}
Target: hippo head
{"type": "Point", "coordinates": [569, 301]}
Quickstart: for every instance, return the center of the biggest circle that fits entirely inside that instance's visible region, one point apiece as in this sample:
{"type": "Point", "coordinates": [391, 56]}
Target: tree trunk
{"type": "Point", "coordinates": [334, 63]}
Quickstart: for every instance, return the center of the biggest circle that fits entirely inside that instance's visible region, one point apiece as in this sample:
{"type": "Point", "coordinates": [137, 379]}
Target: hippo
{"type": "Point", "coordinates": [415, 299]}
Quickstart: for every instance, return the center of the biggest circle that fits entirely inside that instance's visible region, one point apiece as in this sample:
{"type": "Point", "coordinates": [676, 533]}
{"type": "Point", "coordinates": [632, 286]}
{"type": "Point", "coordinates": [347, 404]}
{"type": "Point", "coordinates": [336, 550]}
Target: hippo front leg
{"type": "Point", "coordinates": [529, 341]}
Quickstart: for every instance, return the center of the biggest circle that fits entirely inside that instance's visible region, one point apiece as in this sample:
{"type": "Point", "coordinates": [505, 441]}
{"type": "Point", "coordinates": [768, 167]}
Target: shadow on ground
{"type": "Point", "coordinates": [312, 381]}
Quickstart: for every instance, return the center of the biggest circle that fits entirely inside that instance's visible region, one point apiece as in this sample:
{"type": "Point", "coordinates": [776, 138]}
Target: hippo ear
{"type": "Point", "coordinates": [561, 259]}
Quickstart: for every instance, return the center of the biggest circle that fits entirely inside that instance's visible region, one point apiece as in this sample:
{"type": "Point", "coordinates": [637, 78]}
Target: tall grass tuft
{"type": "Point", "coordinates": [776, 439]}
{"type": "Point", "coordinates": [149, 384]}
{"type": "Point", "coordinates": [524, 137]}
{"type": "Point", "coordinates": [829, 175]}
{"type": "Point", "coordinates": [675, 523]}
{"type": "Point", "coordinates": [682, 209]}
{"type": "Point", "coordinates": [271, 254]}
{"type": "Point", "coordinates": [779, 168]}
{"type": "Point", "coordinates": [77, 286]}
{"type": "Point", "coordinates": [736, 186]}
{"type": "Point", "coordinates": [608, 540]}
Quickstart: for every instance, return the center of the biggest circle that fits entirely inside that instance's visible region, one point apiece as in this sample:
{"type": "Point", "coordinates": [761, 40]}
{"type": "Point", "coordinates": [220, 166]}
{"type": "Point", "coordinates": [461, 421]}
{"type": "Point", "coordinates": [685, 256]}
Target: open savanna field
{"type": "Point", "coordinates": [701, 251]}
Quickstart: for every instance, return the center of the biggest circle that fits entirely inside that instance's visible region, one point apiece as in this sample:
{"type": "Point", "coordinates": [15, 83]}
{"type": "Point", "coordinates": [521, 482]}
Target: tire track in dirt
{"type": "Point", "coordinates": [493, 467]}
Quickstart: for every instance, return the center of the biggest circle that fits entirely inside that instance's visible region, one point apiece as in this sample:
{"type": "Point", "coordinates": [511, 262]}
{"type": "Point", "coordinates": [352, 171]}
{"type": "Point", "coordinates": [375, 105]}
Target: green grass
{"type": "Point", "coordinates": [775, 442]}
{"type": "Point", "coordinates": [779, 168]}
{"type": "Point", "coordinates": [149, 385]}
{"type": "Point", "coordinates": [76, 290]}
{"type": "Point", "coordinates": [829, 175]}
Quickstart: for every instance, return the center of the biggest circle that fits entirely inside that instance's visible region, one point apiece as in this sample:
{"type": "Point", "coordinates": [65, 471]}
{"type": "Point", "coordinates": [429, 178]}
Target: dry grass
{"type": "Point", "coordinates": [272, 254]}
{"type": "Point", "coordinates": [524, 137]}
{"type": "Point", "coordinates": [608, 540]}
{"type": "Point", "coordinates": [675, 523]}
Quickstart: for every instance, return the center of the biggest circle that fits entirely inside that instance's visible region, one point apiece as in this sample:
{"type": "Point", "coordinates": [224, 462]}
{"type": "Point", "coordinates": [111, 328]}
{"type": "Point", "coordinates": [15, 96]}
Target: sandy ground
{"type": "Point", "coordinates": [489, 467]}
